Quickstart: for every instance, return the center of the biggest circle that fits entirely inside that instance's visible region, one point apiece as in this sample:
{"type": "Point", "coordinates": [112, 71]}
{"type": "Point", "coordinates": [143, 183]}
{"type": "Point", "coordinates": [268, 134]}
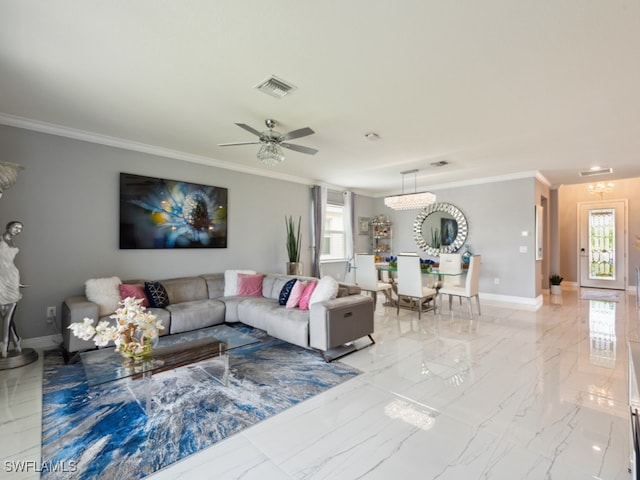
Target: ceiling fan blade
{"type": "Point", "coordinates": [238, 143]}
{"type": "Point", "coordinates": [299, 148]}
{"type": "Point", "coordinates": [249, 129]}
{"type": "Point", "coordinates": [301, 132]}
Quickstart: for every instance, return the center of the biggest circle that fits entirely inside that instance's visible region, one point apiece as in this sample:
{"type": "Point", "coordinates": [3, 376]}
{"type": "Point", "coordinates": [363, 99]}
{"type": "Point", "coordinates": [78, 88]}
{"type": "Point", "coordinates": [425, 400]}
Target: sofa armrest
{"type": "Point", "coordinates": [76, 309]}
{"type": "Point", "coordinates": [335, 322]}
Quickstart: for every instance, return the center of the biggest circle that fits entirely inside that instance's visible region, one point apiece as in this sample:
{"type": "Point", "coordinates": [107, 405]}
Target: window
{"type": "Point", "coordinates": [333, 242]}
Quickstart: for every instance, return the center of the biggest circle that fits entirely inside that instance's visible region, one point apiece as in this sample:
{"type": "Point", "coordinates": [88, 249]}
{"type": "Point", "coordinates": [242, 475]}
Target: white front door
{"type": "Point", "coordinates": [602, 244]}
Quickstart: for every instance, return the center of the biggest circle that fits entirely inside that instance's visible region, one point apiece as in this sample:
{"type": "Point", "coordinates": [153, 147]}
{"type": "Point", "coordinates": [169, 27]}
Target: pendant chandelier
{"type": "Point", "coordinates": [410, 201]}
{"type": "Point", "coordinates": [600, 188]}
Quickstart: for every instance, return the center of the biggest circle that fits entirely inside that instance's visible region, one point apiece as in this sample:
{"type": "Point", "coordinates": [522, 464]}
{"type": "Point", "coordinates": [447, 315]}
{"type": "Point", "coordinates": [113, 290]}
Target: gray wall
{"type": "Point", "coordinates": [68, 199]}
{"type": "Point", "coordinates": [497, 214]}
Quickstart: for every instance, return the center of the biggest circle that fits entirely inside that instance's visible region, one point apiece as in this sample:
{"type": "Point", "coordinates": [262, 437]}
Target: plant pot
{"type": "Point", "coordinates": [294, 268]}
{"type": "Point", "coordinates": [555, 289]}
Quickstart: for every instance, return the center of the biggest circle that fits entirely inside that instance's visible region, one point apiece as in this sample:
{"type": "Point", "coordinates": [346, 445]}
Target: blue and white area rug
{"type": "Point", "coordinates": [101, 432]}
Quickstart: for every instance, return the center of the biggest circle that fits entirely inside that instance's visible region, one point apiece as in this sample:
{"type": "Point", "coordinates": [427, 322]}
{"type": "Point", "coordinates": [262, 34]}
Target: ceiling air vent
{"type": "Point", "coordinates": [440, 163]}
{"type": "Point", "coordinates": [598, 171]}
{"type": "Point", "coordinates": [276, 87]}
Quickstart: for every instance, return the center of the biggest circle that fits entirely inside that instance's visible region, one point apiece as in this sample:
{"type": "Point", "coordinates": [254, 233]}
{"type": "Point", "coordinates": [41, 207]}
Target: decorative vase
{"type": "Point", "coordinates": [139, 348]}
{"type": "Point", "coordinates": [294, 268]}
{"type": "Point", "coordinates": [466, 254]}
{"type": "Point", "coordinates": [555, 289]}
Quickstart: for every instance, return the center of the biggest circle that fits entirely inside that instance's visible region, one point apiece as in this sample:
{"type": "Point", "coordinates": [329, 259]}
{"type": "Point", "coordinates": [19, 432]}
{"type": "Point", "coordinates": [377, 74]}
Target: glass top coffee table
{"type": "Point", "coordinates": [197, 347]}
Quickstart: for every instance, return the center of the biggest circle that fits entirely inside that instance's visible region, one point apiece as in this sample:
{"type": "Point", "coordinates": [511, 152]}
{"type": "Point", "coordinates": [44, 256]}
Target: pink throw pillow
{"type": "Point", "coordinates": [296, 294]}
{"type": "Point", "coordinates": [135, 291]}
{"type": "Point", "coordinates": [306, 296]}
{"type": "Point", "coordinates": [249, 285]}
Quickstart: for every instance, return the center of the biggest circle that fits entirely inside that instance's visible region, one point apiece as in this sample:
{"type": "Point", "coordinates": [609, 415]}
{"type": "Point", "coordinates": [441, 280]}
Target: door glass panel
{"type": "Point", "coordinates": [602, 230]}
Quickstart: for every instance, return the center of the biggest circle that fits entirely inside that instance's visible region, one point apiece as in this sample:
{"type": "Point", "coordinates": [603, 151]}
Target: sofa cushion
{"type": "Point", "coordinates": [215, 284]}
{"type": "Point", "coordinates": [326, 289]}
{"type": "Point", "coordinates": [231, 281]}
{"type": "Point", "coordinates": [186, 289]}
{"type": "Point", "coordinates": [249, 285]}
{"type": "Point", "coordinates": [290, 325]}
{"type": "Point", "coordinates": [157, 295]}
{"type": "Point", "coordinates": [253, 311]}
{"type": "Point", "coordinates": [286, 291]}
{"type": "Point", "coordinates": [104, 292]}
{"type": "Point", "coordinates": [296, 293]}
{"type": "Point", "coordinates": [134, 290]}
{"type": "Point", "coordinates": [306, 295]}
{"type": "Point", "coordinates": [186, 316]}
{"type": "Point", "coordinates": [164, 316]}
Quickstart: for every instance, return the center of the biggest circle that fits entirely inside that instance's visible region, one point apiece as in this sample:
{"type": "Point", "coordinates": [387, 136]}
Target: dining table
{"type": "Point", "coordinates": [434, 281]}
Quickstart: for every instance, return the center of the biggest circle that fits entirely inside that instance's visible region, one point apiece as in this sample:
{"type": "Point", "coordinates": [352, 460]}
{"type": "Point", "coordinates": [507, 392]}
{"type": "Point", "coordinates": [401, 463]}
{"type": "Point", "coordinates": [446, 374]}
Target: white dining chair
{"type": "Point", "coordinates": [470, 288]}
{"type": "Point", "coordinates": [367, 277]}
{"type": "Point", "coordinates": [410, 285]}
{"type": "Point", "coordinates": [451, 269]}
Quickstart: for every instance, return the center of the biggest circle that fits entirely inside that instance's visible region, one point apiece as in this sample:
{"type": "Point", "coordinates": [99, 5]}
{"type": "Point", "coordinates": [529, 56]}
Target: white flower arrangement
{"type": "Point", "coordinates": [133, 334]}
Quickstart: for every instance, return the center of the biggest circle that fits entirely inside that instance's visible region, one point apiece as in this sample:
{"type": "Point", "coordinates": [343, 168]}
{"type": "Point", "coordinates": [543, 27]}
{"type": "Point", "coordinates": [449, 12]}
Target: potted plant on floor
{"type": "Point", "coordinates": [294, 267]}
{"type": "Point", "coordinates": [555, 284]}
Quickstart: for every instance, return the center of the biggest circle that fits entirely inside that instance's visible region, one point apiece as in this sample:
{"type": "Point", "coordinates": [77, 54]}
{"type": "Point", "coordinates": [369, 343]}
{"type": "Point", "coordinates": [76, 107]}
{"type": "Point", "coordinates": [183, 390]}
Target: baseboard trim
{"type": "Point", "coordinates": [526, 302]}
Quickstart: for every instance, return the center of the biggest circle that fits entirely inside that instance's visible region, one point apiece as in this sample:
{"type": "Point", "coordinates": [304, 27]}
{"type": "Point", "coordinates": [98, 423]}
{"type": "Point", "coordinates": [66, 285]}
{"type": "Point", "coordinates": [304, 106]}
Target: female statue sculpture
{"type": "Point", "coordinates": [9, 286]}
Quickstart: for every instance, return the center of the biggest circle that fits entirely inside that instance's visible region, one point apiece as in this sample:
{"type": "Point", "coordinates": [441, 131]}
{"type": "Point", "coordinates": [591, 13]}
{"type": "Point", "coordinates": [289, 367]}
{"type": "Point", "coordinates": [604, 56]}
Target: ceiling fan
{"type": "Point", "coordinates": [271, 152]}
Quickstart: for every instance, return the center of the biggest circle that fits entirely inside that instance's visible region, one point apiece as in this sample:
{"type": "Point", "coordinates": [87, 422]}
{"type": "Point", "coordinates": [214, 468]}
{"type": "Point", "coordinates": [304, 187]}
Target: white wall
{"type": "Point", "coordinates": [68, 199]}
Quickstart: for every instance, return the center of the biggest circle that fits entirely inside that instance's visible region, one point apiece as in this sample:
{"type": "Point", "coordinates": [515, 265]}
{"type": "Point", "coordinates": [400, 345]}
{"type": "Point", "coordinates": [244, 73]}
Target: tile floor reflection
{"type": "Point", "coordinates": [513, 394]}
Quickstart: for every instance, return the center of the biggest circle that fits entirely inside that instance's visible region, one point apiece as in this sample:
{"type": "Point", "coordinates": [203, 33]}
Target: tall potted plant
{"type": "Point", "coordinates": [294, 267]}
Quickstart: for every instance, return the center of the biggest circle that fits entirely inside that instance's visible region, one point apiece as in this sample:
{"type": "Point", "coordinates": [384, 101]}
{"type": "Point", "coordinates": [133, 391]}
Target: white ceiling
{"type": "Point", "coordinates": [494, 87]}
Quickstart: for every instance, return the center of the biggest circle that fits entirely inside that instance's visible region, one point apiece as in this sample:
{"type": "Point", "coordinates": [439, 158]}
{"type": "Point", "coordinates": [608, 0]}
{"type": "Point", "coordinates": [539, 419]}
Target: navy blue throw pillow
{"type": "Point", "coordinates": [157, 294]}
{"type": "Point", "coordinates": [286, 291]}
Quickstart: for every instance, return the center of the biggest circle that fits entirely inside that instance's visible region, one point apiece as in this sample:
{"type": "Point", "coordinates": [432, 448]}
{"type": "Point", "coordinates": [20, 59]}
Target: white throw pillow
{"type": "Point", "coordinates": [105, 292]}
{"type": "Point", "coordinates": [326, 289]}
{"type": "Point", "coordinates": [231, 281]}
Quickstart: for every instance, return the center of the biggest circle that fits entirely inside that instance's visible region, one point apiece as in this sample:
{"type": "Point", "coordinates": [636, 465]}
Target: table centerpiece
{"type": "Point", "coordinates": [134, 334]}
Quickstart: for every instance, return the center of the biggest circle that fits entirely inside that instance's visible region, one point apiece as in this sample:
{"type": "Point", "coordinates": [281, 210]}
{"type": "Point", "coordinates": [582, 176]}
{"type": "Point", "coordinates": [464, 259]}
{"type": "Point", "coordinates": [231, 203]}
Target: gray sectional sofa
{"type": "Point", "coordinates": [200, 301]}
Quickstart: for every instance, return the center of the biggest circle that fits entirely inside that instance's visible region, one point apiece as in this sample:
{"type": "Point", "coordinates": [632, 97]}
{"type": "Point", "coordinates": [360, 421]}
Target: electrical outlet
{"type": "Point", "coordinates": [51, 312]}
{"type": "Point", "coordinates": [496, 281]}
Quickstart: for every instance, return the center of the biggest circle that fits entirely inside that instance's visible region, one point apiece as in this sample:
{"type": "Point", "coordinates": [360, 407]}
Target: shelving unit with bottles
{"type": "Point", "coordinates": [381, 237]}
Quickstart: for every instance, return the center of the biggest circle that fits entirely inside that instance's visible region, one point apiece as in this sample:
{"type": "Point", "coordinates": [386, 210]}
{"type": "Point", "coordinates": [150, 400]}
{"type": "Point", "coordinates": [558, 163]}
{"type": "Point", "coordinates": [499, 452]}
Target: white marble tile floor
{"type": "Point", "coordinates": [512, 394]}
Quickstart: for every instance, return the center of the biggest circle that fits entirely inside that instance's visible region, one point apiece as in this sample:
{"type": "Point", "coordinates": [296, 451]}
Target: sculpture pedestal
{"type": "Point", "coordinates": [15, 359]}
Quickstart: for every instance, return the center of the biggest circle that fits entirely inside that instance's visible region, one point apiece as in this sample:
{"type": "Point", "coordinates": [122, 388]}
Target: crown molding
{"type": "Point", "coordinates": [91, 137]}
{"type": "Point", "coordinates": [478, 181]}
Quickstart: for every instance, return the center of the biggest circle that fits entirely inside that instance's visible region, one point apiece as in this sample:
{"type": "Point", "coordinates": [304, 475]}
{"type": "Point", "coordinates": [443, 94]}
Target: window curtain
{"type": "Point", "coordinates": [349, 229]}
{"type": "Point", "coordinates": [318, 214]}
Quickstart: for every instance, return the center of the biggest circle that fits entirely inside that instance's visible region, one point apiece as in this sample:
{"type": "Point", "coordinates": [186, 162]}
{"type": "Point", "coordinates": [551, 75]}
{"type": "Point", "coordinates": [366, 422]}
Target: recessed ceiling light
{"type": "Point", "coordinates": [440, 163]}
{"type": "Point", "coordinates": [372, 136]}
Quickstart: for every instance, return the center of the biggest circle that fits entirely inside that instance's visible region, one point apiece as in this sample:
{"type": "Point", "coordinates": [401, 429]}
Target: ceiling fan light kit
{"type": "Point", "coordinates": [410, 201]}
{"type": "Point", "coordinates": [270, 154]}
{"type": "Point", "coordinates": [272, 142]}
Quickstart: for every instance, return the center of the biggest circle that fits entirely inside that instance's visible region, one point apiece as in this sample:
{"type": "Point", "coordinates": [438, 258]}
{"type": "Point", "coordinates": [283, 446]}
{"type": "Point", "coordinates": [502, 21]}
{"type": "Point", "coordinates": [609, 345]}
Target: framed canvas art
{"type": "Point", "coordinates": [161, 213]}
{"type": "Point", "coordinates": [363, 225]}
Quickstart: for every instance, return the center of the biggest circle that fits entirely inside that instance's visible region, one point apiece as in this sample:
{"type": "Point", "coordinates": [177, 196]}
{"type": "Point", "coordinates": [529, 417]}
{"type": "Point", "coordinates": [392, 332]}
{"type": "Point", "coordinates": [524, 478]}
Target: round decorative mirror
{"type": "Point", "coordinates": [440, 228]}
